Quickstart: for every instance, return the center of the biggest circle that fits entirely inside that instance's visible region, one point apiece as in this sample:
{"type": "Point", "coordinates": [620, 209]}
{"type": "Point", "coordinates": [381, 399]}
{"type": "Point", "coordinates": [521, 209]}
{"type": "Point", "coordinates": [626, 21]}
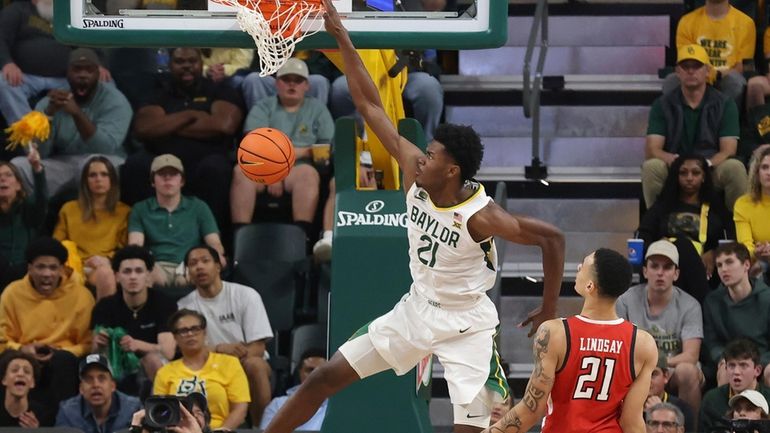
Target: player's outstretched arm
{"type": "Point", "coordinates": [367, 98]}
{"type": "Point", "coordinates": [547, 351]}
{"type": "Point", "coordinates": [495, 221]}
{"type": "Point", "coordinates": [645, 358]}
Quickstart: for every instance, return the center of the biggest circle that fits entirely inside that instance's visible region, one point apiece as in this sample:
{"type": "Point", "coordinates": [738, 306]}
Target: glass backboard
{"type": "Point", "coordinates": [460, 24]}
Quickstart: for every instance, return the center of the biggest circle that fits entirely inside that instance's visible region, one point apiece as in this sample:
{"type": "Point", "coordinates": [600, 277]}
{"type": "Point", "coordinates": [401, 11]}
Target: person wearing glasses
{"type": "Point", "coordinates": [664, 417]}
{"type": "Point", "coordinates": [218, 376]}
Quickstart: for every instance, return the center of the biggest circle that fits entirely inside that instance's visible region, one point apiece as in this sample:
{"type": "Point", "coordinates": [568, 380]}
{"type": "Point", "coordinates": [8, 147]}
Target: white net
{"type": "Point", "coordinates": [276, 27]}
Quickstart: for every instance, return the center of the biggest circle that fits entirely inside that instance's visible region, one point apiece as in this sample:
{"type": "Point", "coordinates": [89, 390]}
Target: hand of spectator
{"type": "Point", "coordinates": [59, 99]}
{"type": "Point", "coordinates": [223, 261]}
{"type": "Point", "coordinates": [237, 350]}
{"type": "Point", "coordinates": [669, 158]}
{"type": "Point", "coordinates": [762, 251]}
{"type": "Point", "coordinates": [651, 401]}
{"type": "Point", "coordinates": [12, 74]}
{"type": "Point", "coordinates": [130, 344]}
{"type": "Point", "coordinates": [138, 417]}
{"type": "Point", "coordinates": [104, 75]}
{"type": "Point", "coordinates": [217, 72]}
{"type": "Point", "coordinates": [276, 189]}
{"type": "Point", "coordinates": [188, 423]}
{"type": "Point", "coordinates": [28, 420]}
{"type": "Point", "coordinates": [96, 261]}
{"type": "Point", "coordinates": [332, 21]}
{"type": "Point", "coordinates": [33, 156]}
{"type": "Point", "coordinates": [101, 339]}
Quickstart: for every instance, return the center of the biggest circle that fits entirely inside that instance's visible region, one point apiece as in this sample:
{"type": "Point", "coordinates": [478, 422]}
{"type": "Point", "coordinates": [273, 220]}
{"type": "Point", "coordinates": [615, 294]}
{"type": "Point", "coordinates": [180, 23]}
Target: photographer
{"type": "Point", "coordinates": [194, 420]}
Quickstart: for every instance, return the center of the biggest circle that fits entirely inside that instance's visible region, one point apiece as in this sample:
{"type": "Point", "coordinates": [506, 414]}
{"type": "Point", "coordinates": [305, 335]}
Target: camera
{"type": "Point", "coordinates": [161, 411]}
{"type": "Point", "coordinates": [750, 426]}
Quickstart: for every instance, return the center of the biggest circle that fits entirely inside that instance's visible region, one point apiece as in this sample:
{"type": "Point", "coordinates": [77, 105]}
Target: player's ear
{"type": "Point", "coordinates": [454, 170]}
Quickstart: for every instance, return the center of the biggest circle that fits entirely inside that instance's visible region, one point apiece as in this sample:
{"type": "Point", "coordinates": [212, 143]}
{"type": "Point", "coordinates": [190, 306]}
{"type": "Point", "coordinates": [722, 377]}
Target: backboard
{"type": "Point", "coordinates": [465, 24]}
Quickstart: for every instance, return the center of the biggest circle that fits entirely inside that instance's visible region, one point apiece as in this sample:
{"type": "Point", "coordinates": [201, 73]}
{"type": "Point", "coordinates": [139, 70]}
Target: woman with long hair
{"type": "Point", "coordinates": [752, 210]}
{"type": "Point", "coordinates": [21, 216]}
{"type": "Point", "coordinates": [691, 215]}
{"type": "Point", "coordinates": [97, 222]}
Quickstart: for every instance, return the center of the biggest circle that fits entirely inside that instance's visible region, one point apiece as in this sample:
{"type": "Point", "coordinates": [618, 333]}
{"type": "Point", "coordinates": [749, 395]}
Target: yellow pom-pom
{"type": "Point", "coordinates": [33, 126]}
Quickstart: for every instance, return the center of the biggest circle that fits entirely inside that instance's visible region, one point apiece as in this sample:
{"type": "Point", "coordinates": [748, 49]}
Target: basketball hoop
{"type": "Point", "coordinates": [276, 26]}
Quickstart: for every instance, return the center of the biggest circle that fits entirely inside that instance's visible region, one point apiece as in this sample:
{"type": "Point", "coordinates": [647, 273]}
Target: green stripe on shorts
{"type": "Point", "coordinates": [496, 380]}
{"type": "Point", "coordinates": [361, 331]}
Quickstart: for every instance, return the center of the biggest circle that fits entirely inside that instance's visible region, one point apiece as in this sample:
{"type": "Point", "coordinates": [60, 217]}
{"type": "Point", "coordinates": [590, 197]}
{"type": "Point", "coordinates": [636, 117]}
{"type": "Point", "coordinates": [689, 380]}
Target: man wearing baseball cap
{"type": "Point", "coordinates": [671, 316]}
{"type": "Point", "coordinates": [693, 118]}
{"type": "Point", "coordinates": [87, 118]}
{"type": "Point", "coordinates": [307, 122]}
{"type": "Point", "coordinates": [170, 223]}
{"type": "Point", "coordinates": [100, 407]}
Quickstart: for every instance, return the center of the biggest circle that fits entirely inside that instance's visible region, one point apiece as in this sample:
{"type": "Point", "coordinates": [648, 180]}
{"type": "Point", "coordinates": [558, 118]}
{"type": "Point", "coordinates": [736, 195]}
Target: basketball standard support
{"type": "Point", "coordinates": [370, 273]}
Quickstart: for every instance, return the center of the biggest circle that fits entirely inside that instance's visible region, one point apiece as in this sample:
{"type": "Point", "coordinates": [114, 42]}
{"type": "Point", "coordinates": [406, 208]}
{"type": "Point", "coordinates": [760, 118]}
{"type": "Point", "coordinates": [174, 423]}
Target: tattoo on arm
{"type": "Point", "coordinates": [532, 397]}
{"type": "Point", "coordinates": [510, 420]}
{"type": "Point", "coordinates": [540, 348]}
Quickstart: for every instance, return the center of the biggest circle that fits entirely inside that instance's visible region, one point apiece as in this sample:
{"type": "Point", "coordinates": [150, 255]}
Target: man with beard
{"type": "Point", "coordinates": [88, 117]}
{"type": "Point", "coordinates": [46, 315]}
{"type": "Point", "coordinates": [237, 321]}
{"type": "Point", "coordinates": [100, 407]}
{"type": "Point", "coordinates": [143, 313]}
{"type": "Point", "coordinates": [194, 119]}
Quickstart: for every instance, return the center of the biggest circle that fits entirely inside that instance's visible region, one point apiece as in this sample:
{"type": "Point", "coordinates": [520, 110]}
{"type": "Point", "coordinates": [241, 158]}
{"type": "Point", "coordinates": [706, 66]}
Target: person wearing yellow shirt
{"type": "Point", "coordinates": [218, 376]}
{"type": "Point", "coordinates": [97, 222]}
{"type": "Point", "coordinates": [752, 210]}
{"type": "Point", "coordinates": [227, 65]}
{"type": "Point", "coordinates": [729, 37]}
{"type": "Point", "coordinates": [46, 314]}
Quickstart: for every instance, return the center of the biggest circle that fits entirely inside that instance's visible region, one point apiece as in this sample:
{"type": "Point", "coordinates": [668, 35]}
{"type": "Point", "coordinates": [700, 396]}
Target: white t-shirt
{"type": "Point", "coordinates": [235, 315]}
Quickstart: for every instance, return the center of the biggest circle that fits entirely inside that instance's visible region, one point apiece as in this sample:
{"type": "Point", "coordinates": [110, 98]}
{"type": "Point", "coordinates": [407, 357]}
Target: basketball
{"type": "Point", "coordinates": [266, 155]}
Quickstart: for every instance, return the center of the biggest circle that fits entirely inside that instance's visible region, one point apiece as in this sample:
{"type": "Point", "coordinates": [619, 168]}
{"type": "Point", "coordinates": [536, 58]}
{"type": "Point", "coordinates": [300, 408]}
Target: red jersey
{"type": "Point", "coordinates": [598, 370]}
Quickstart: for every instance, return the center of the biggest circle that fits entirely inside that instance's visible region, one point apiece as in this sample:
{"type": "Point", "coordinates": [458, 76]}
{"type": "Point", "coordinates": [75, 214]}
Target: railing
{"type": "Point", "coordinates": [532, 88]}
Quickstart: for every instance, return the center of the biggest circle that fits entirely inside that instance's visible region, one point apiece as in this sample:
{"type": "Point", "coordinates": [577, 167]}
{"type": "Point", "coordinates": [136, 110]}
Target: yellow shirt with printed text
{"type": "Point", "coordinates": [222, 380]}
{"type": "Point", "coordinates": [728, 40]}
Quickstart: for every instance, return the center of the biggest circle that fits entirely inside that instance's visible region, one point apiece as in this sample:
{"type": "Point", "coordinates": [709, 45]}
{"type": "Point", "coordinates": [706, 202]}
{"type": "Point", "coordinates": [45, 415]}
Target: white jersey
{"type": "Point", "coordinates": [447, 265]}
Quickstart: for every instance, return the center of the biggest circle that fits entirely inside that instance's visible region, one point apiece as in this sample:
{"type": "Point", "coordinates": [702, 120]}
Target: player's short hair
{"type": "Point", "coordinates": [740, 251]}
{"type": "Point", "coordinates": [463, 144]}
{"type": "Point", "coordinates": [741, 348]}
{"type": "Point", "coordinates": [133, 252]}
{"type": "Point", "coordinates": [46, 246]}
{"type": "Point", "coordinates": [613, 272]}
{"type": "Point", "coordinates": [669, 407]}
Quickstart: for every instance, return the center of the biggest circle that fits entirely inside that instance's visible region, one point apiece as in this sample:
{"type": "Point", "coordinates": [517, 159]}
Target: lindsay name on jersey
{"type": "Point", "coordinates": [431, 227]}
{"type": "Point", "coordinates": [600, 345]}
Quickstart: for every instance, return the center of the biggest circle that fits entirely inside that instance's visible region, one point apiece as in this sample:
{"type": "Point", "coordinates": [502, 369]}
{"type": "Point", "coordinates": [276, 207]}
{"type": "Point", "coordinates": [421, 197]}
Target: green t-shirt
{"type": "Point", "coordinates": [309, 125]}
{"type": "Point", "coordinates": [729, 127]}
{"type": "Point", "coordinates": [169, 235]}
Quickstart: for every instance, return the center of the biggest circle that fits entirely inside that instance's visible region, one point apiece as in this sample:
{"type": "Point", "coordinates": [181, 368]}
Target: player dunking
{"type": "Point", "coordinates": [452, 260]}
{"type": "Point", "coordinates": [592, 371]}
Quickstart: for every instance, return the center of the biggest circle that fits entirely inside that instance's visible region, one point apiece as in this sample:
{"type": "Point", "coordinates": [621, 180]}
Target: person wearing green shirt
{"type": "Point", "coordinates": [169, 224]}
{"type": "Point", "coordinates": [694, 118]}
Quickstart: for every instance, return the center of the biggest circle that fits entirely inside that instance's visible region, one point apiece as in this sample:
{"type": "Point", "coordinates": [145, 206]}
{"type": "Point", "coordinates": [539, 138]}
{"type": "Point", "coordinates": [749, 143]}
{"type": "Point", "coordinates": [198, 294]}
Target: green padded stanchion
{"type": "Point", "coordinates": [370, 274]}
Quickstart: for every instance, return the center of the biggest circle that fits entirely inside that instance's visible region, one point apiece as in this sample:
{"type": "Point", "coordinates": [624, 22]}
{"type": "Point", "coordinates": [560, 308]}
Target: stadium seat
{"type": "Point", "coordinates": [272, 259]}
{"type": "Point", "coordinates": [304, 337]}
